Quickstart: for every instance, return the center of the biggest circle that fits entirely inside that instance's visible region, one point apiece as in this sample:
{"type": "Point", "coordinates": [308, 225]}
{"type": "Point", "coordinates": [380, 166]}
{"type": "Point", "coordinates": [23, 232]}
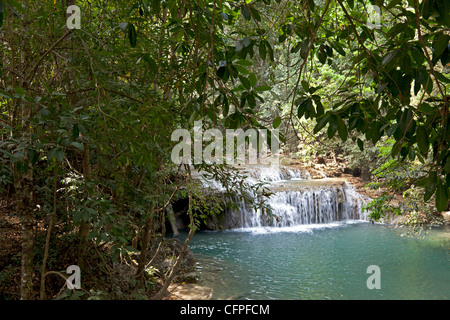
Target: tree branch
{"type": "Point", "coordinates": [33, 70]}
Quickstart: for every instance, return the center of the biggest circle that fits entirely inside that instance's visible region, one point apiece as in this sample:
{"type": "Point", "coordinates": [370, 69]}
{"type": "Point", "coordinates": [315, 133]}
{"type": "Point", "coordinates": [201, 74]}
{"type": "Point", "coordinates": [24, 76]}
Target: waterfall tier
{"type": "Point", "coordinates": [296, 200]}
{"type": "Point", "coordinates": [301, 205]}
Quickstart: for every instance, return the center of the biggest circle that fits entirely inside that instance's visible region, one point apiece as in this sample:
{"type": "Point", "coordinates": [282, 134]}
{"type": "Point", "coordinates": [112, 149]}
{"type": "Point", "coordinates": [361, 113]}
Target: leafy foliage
{"type": "Point", "coordinates": [86, 115]}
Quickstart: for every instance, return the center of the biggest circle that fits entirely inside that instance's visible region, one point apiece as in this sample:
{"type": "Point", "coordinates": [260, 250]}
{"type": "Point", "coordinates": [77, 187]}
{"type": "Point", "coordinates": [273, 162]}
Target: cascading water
{"type": "Point", "coordinates": [307, 205]}
{"type": "Point", "coordinates": [297, 200]}
{"type": "Point", "coordinates": [276, 173]}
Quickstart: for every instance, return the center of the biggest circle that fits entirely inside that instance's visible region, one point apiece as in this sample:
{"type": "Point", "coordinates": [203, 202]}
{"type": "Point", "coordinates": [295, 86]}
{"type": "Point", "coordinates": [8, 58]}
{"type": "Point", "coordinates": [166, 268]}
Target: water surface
{"type": "Point", "coordinates": [323, 261]}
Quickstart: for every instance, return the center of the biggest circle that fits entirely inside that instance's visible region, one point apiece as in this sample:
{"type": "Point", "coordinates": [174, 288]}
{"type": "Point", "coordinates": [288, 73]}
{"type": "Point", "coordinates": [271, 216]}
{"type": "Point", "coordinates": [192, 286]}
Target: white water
{"type": "Point", "coordinates": [310, 205]}
{"type": "Point", "coordinates": [276, 173]}
{"type": "Point", "coordinates": [298, 203]}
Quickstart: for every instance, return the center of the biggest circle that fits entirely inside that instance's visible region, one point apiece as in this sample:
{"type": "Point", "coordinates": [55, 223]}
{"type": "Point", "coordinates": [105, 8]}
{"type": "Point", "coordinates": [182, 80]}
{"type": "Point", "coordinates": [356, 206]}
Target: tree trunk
{"type": "Point", "coordinates": [140, 272]}
{"type": "Point", "coordinates": [47, 240]}
{"type": "Point", "coordinates": [24, 206]}
{"type": "Point", "coordinates": [163, 291]}
{"type": "Point", "coordinates": [85, 225]}
{"type": "Point", "coordinates": [23, 179]}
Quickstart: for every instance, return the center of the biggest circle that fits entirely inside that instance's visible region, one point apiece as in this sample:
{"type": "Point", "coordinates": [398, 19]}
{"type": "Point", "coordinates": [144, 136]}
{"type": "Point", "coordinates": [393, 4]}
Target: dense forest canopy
{"type": "Point", "coordinates": [86, 114]}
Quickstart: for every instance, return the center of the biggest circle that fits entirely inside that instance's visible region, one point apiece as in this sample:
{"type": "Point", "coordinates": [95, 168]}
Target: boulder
{"type": "Point", "coordinates": [167, 255]}
{"type": "Point", "coordinates": [446, 216]}
{"type": "Point", "coordinates": [123, 278]}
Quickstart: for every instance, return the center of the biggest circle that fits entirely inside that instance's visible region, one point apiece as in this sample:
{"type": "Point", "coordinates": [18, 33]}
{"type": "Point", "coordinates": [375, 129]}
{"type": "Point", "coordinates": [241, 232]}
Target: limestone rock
{"type": "Point", "coordinates": [446, 216]}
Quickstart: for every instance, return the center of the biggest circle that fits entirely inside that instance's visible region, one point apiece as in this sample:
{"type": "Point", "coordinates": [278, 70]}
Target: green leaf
{"type": "Point", "coordinates": [270, 51]}
{"type": "Point", "coordinates": [342, 129]}
{"type": "Point", "coordinates": [252, 79]}
{"type": "Point", "coordinates": [251, 101]}
{"type": "Point", "coordinates": [322, 55]}
{"type": "Point", "coordinates": [396, 29]}
{"type": "Point", "coordinates": [308, 105]}
{"type": "Point", "coordinates": [155, 6]}
{"type": "Point", "coordinates": [75, 132]}
{"type": "Point", "coordinates": [304, 49]}
{"type": "Point", "coordinates": [417, 54]}
{"type": "Point", "coordinates": [262, 50]}
{"type": "Point", "coordinates": [427, 8]}
{"type": "Point", "coordinates": [319, 107]}
{"type": "Point", "coordinates": [16, 5]}
{"type": "Point", "coordinates": [150, 62]}
{"type": "Point", "coordinates": [59, 154]}
{"type": "Point", "coordinates": [263, 88]}
{"type": "Point", "coordinates": [2, 10]}
{"type": "Point", "coordinates": [393, 3]}
{"type": "Point", "coordinates": [305, 85]}
{"type": "Point", "coordinates": [78, 145]}
{"type": "Point", "coordinates": [376, 132]}
{"type": "Point", "coordinates": [430, 186]}
{"type": "Point", "coordinates": [282, 38]}
{"type": "Point", "coordinates": [246, 41]}
{"type": "Point", "coordinates": [388, 58]}
{"type": "Point", "coordinates": [440, 43]}
{"type": "Point", "coordinates": [422, 140]}
{"type": "Point", "coordinates": [351, 3]}
{"type": "Point", "coordinates": [255, 14]}
{"type": "Point", "coordinates": [221, 73]}
{"type": "Point", "coordinates": [336, 46]}
{"type": "Point", "coordinates": [441, 77]}
{"type": "Point", "coordinates": [245, 12]}
{"type": "Point", "coordinates": [276, 122]}
{"type": "Point", "coordinates": [429, 85]}
{"type": "Point", "coordinates": [56, 153]}
{"type": "Point", "coordinates": [296, 48]}
{"type": "Point", "coordinates": [132, 35]}
{"type": "Point", "coordinates": [426, 108]}
{"type": "Point", "coordinates": [417, 82]}
{"type": "Point", "coordinates": [244, 63]}
{"type": "Point", "coordinates": [443, 7]}
{"type": "Point", "coordinates": [241, 69]}
{"type": "Point", "coordinates": [396, 148]}
{"type": "Point", "coordinates": [447, 165]}
{"type": "Point", "coordinates": [245, 82]}
{"type": "Point", "coordinates": [441, 197]}
{"type": "Point", "coordinates": [19, 91]}
{"type": "Point", "coordinates": [322, 122]}
{"type": "Point", "coordinates": [360, 144]}
{"type": "Point", "coordinates": [332, 127]}
{"type": "Point", "coordinates": [33, 156]}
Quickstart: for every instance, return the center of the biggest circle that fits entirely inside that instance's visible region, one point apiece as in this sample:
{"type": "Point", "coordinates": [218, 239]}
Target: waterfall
{"type": "Point", "coordinates": [296, 200]}
{"type": "Point", "coordinates": [308, 205]}
{"type": "Point", "coordinates": [276, 173]}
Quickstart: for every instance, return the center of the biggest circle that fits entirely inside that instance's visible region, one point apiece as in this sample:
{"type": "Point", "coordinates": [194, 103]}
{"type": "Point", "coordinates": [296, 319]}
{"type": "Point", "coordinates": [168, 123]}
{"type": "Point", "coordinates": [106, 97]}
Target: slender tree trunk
{"type": "Point", "coordinates": [24, 206]}
{"type": "Point", "coordinates": [163, 291]}
{"type": "Point", "coordinates": [85, 225]}
{"type": "Point", "coordinates": [140, 272]}
{"type": "Point", "coordinates": [23, 179]}
{"type": "Point", "coordinates": [47, 240]}
{"type": "Point", "coordinates": [83, 231]}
